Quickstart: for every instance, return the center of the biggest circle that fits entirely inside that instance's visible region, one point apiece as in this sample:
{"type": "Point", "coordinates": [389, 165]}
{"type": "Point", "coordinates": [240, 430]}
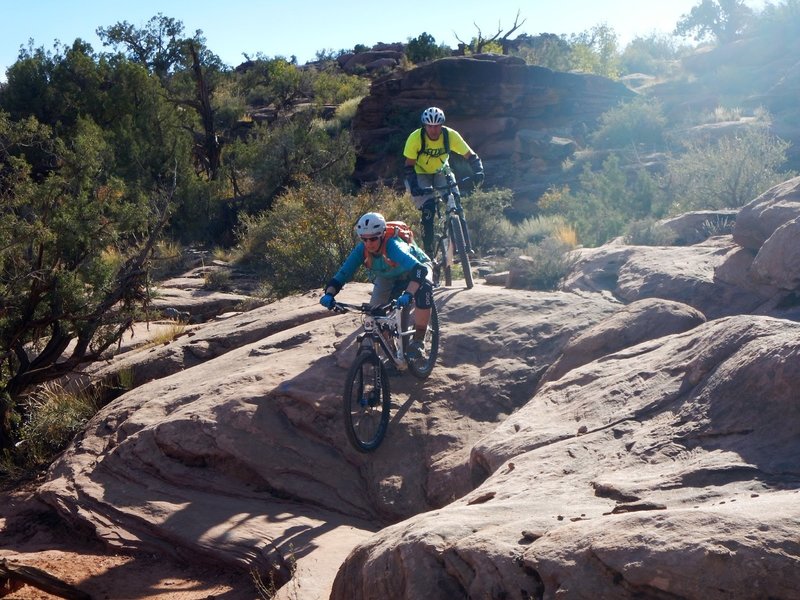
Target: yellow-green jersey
{"type": "Point", "coordinates": [431, 156]}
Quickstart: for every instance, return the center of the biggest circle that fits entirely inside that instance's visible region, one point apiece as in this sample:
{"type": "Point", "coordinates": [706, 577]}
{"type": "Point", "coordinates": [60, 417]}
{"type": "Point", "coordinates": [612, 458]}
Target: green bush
{"type": "Point", "coordinates": [484, 211]}
{"type": "Point", "coordinates": [424, 48]}
{"type": "Point", "coordinates": [595, 51]}
{"type": "Point", "coordinates": [533, 230]}
{"type": "Point", "coordinates": [631, 124]}
{"type": "Point", "coordinates": [346, 111]}
{"type": "Point", "coordinates": [335, 88]}
{"type": "Point", "coordinates": [545, 50]}
{"type": "Point", "coordinates": [302, 241]}
{"type": "Point", "coordinates": [648, 232]}
{"type": "Point", "coordinates": [655, 54]}
{"type": "Point", "coordinates": [276, 156]}
{"type": "Point", "coordinates": [726, 173]}
{"type": "Point", "coordinates": [541, 266]}
{"type": "Point", "coordinates": [54, 415]}
{"type": "Point", "coordinates": [605, 201]}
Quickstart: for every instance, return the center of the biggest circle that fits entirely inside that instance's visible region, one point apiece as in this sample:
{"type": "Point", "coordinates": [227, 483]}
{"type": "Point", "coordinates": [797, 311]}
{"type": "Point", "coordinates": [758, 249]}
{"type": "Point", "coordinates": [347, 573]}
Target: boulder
{"type": "Point", "coordinates": [238, 457]}
{"type": "Point", "coordinates": [697, 226]}
{"type": "Point", "coordinates": [759, 218]}
{"type": "Point", "coordinates": [637, 322]}
{"type": "Point", "coordinates": [367, 60]}
{"type": "Point", "coordinates": [778, 260]}
{"type": "Point", "coordinates": [685, 274]}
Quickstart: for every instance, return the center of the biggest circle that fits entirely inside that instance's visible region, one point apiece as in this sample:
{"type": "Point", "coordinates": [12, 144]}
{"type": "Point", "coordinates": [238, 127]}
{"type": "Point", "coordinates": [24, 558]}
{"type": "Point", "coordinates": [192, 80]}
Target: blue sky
{"type": "Point", "coordinates": [234, 27]}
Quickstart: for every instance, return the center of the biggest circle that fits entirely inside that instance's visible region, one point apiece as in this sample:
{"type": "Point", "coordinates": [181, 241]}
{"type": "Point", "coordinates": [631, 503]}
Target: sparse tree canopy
{"type": "Point", "coordinates": [724, 20]}
{"type": "Point", "coordinates": [479, 44]}
{"type": "Point", "coordinates": [159, 45]}
{"type": "Point", "coordinates": [423, 48]}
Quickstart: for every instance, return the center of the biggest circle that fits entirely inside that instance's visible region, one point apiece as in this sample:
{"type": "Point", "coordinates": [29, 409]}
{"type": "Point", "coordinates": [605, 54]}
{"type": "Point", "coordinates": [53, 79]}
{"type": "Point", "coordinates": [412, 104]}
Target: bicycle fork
{"type": "Point", "coordinates": [389, 340]}
{"type": "Point", "coordinates": [456, 208]}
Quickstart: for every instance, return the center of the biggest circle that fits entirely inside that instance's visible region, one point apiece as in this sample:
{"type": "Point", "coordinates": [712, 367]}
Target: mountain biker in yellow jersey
{"type": "Point", "coordinates": [396, 267]}
{"type": "Point", "coordinates": [427, 154]}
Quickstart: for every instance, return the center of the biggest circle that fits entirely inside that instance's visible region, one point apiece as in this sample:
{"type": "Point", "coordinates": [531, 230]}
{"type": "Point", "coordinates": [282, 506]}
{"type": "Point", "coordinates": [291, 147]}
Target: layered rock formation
{"type": "Point", "coordinates": [522, 120]}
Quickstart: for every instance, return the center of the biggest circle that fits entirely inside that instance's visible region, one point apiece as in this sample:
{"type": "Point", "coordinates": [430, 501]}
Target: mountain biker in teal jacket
{"type": "Point", "coordinates": [395, 267]}
{"type": "Point", "coordinates": [427, 154]}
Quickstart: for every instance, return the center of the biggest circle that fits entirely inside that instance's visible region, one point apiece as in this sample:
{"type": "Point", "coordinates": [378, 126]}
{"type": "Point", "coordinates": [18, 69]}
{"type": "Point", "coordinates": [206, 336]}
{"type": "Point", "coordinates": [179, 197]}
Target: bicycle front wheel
{"type": "Point", "coordinates": [367, 402]}
{"type": "Point", "coordinates": [461, 249]}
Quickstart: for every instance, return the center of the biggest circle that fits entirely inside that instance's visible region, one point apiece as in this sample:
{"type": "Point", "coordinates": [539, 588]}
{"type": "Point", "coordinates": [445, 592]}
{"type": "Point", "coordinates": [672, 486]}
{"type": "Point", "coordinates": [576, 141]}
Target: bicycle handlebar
{"type": "Point", "coordinates": [366, 308]}
{"type": "Point", "coordinates": [445, 188]}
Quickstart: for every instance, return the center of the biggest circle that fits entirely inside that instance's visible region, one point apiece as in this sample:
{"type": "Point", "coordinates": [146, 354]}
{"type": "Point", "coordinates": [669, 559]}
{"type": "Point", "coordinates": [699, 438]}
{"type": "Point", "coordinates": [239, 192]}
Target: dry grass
{"type": "Point", "coordinates": [166, 335]}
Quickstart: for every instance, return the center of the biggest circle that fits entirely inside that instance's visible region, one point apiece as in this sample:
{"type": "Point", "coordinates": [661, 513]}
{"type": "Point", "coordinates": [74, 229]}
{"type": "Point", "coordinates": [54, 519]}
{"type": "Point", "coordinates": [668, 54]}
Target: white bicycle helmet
{"type": "Point", "coordinates": [371, 224]}
{"type": "Point", "coordinates": [432, 116]}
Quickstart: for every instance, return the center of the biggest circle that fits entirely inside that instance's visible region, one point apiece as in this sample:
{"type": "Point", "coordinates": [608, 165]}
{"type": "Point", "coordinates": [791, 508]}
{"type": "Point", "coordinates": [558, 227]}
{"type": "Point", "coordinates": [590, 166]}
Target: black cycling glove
{"type": "Point", "coordinates": [477, 169]}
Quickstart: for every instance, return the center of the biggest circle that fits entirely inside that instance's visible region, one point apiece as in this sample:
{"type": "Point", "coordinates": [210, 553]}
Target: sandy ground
{"type": "Point", "coordinates": [31, 535]}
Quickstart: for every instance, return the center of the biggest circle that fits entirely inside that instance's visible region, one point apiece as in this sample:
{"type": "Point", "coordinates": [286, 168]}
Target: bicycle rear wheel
{"type": "Point", "coordinates": [421, 367]}
{"type": "Point", "coordinates": [367, 402]}
{"type": "Point", "coordinates": [461, 249]}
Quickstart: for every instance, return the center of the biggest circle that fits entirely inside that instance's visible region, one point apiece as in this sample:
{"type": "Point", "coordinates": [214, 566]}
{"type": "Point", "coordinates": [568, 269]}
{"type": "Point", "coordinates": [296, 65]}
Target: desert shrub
{"type": "Point", "coordinates": [484, 211]}
{"type": "Point", "coordinates": [276, 156]}
{"type": "Point", "coordinates": [542, 266]}
{"type": "Point", "coordinates": [229, 104]}
{"type": "Point", "coordinates": [346, 111]}
{"type": "Point", "coordinates": [301, 242]}
{"type": "Point", "coordinates": [718, 225]}
{"type": "Point", "coordinates": [654, 54]}
{"type": "Point", "coordinates": [217, 279]}
{"type": "Point", "coordinates": [640, 121]}
{"type": "Point", "coordinates": [648, 232]}
{"type": "Point", "coordinates": [167, 259]}
{"type": "Point", "coordinates": [54, 415]}
{"type": "Point", "coordinates": [533, 230]}
{"type": "Point", "coordinates": [172, 332]}
{"type": "Point", "coordinates": [334, 88]}
{"type": "Point", "coordinates": [778, 22]}
{"type": "Point", "coordinates": [605, 201]}
{"type": "Point", "coordinates": [595, 51]}
{"type": "Point", "coordinates": [423, 48]}
{"type": "Point", "coordinates": [546, 50]}
{"type": "Point", "coordinates": [726, 173]}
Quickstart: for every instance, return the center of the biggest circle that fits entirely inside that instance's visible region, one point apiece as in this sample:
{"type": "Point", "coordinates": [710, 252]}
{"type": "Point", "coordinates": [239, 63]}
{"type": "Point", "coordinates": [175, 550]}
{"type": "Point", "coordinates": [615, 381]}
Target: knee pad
{"type": "Point", "coordinates": [424, 296]}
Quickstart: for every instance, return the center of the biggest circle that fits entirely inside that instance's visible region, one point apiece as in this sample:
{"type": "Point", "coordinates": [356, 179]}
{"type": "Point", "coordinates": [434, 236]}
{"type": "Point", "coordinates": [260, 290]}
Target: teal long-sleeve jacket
{"type": "Point", "coordinates": [400, 261]}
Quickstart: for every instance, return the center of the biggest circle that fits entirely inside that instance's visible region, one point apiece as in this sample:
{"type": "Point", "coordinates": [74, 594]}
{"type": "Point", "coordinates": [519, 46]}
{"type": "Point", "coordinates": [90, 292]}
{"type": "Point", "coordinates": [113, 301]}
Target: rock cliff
{"type": "Point", "coordinates": [522, 120]}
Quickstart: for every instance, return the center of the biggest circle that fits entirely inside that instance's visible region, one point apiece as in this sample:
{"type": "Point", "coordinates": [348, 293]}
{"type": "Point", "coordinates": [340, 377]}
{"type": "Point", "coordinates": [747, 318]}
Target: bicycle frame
{"type": "Point", "coordinates": [380, 326]}
{"type": "Point", "coordinates": [451, 237]}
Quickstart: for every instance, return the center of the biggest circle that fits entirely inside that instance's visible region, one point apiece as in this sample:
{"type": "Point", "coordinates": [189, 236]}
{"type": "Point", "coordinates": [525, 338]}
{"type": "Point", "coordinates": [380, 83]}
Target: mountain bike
{"type": "Point", "coordinates": [450, 241]}
{"type": "Point", "coordinates": [382, 347]}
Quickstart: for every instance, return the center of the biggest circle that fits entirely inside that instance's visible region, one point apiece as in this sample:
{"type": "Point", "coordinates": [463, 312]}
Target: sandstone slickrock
{"type": "Point", "coordinates": [242, 459]}
{"type": "Point", "coordinates": [657, 458]}
{"type": "Point", "coordinates": [698, 434]}
{"type": "Point", "coordinates": [637, 322]}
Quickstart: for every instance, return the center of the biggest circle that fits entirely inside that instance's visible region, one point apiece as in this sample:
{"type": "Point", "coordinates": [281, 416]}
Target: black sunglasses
{"type": "Point", "coordinates": [370, 239]}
